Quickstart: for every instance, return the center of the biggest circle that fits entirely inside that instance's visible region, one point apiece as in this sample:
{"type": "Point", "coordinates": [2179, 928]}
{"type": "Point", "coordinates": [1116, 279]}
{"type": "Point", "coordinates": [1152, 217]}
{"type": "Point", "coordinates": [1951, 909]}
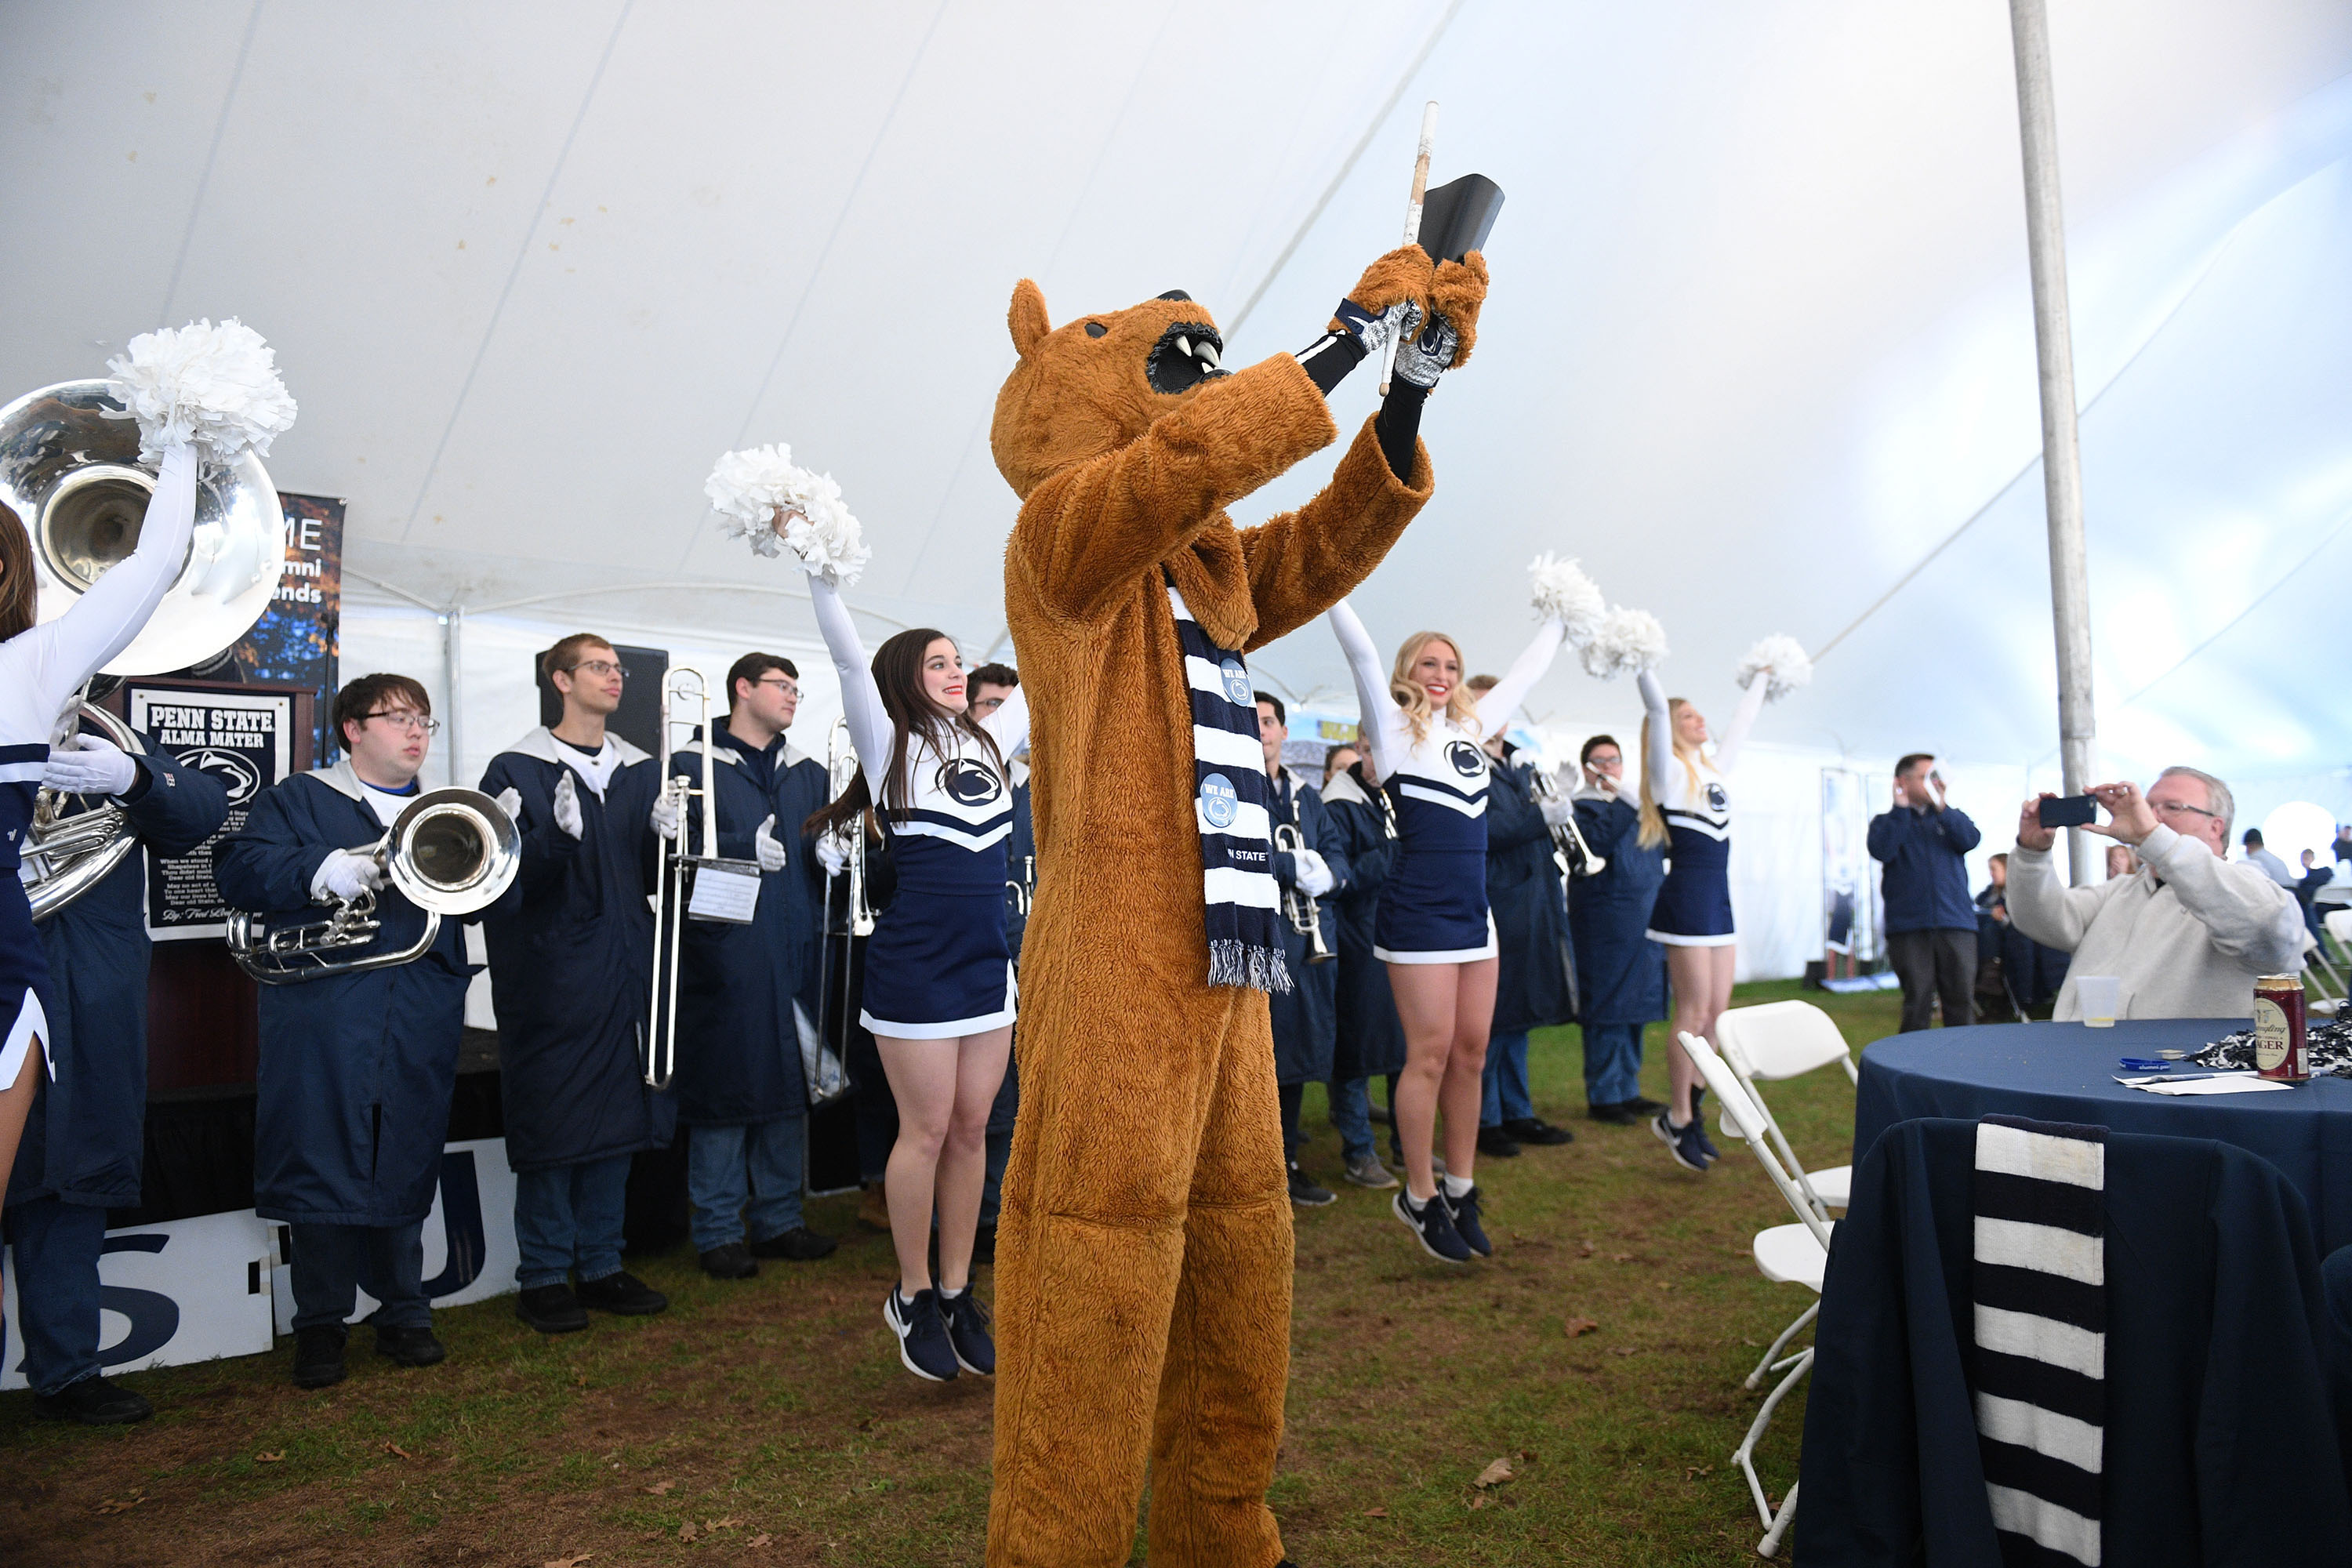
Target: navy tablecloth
{"type": "Point", "coordinates": [2065, 1072]}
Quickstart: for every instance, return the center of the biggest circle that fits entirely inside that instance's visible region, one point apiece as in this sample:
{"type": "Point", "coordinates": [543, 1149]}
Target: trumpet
{"type": "Point", "coordinates": [1299, 906]}
{"type": "Point", "coordinates": [1023, 888]}
{"type": "Point", "coordinates": [70, 471]}
{"type": "Point", "coordinates": [1575, 855]}
{"type": "Point", "coordinates": [837, 955]}
{"type": "Point", "coordinates": [841, 773]}
{"type": "Point", "coordinates": [451, 852]}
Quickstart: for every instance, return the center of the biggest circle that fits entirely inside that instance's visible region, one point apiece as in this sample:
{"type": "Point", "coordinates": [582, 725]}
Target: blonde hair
{"type": "Point", "coordinates": [1413, 697]}
{"type": "Point", "coordinates": [1653, 821]}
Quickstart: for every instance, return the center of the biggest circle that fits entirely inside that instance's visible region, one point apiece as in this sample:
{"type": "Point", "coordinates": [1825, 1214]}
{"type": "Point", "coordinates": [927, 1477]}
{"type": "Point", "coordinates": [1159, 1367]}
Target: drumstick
{"type": "Point", "coordinates": [1413, 216]}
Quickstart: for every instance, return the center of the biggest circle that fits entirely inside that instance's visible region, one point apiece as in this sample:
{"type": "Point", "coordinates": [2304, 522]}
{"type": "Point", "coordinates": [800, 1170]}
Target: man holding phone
{"type": "Point", "coordinates": [2187, 934]}
{"type": "Point", "coordinates": [1931, 921]}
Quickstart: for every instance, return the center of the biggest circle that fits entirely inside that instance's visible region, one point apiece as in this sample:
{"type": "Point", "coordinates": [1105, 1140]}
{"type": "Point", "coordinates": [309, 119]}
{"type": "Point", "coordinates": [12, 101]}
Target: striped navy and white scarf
{"type": "Point", "coordinates": [2039, 1297]}
{"type": "Point", "coordinates": [1231, 794]}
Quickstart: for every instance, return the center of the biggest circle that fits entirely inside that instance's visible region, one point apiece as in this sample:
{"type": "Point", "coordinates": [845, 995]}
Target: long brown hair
{"type": "Point", "coordinates": [1413, 697]}
{"type": "Point", "coordinates": [19, 591]}
{"type": "Point", "coordinates": [1653, 821]}
{"type": "Point", "coordinates": [898, 673]}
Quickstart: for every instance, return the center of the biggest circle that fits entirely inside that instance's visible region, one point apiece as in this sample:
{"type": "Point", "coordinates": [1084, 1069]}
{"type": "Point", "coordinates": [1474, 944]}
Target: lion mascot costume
{"type": "Point", "coordinates": [1143, 1269]}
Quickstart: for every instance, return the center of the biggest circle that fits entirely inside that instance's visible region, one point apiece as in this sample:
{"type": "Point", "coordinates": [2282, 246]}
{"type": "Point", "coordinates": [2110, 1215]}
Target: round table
{"type": "Point", "coordinates": [2065, 1072]}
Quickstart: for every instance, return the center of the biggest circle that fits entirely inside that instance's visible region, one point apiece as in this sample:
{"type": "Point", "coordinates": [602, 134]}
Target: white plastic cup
{"type": "Point", "coordinates": [2098, 995]}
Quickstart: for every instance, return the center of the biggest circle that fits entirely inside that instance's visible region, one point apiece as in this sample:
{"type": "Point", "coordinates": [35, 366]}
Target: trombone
{"type": "Point", "coordinates": [451, 852]}
{"type": "Point", "coordinates": [1300, 907]}
{"type": "Point", "coordinates": [673, 877]}
{"type": "Point", "coordinates": [856, 916]}
{"type": "Point", "coordinates": [1575, 855]}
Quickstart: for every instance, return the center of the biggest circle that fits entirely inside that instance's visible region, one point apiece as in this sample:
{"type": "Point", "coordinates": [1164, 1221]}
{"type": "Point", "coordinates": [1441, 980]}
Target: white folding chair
{"type": "Point", "coordinates": [1798, 1252]}
{"type": "Point", "coordinates": [1777, 1040]}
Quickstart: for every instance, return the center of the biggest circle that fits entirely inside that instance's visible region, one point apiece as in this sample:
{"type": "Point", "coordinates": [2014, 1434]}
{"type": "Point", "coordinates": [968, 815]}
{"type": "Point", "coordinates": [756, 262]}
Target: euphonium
{"type": "Point", "coordinates": [1298, 906]}
{"type": "Point", "coordinates": [70, 471]}
{"type": "Point", "coordinates": [450, 852]}
{"type": "Point", "coordinates": [1576, 856]}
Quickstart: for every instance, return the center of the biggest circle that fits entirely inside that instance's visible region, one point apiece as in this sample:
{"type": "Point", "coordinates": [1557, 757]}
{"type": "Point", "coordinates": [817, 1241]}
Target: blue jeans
{"type": "Point", "coordinates": [1351, 1117]}
{"type": "Point", "coordinates": [568, 1217]}
{"type": "Point", "coordinates": [1612, 1063]}
{"type": "Point", "coordinates": [1000, 1117]}
{"type": "Point", "coordinates": [746, 1177]}
{"type": "Point", "coordinates": [57, 1246]}
{"type": "Point", "coordinates": [331, 1261]}
{"type": "Point", "coordinates": [1506, 1081]}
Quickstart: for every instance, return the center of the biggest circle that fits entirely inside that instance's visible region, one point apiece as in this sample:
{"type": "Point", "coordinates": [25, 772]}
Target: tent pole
{"type": "Point", "coordinates": [2061, 462]}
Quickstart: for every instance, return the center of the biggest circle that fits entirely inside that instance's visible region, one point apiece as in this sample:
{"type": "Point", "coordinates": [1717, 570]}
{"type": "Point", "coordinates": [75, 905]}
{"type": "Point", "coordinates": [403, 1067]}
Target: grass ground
{"type": "Point", "coordinates": [768, 1421]}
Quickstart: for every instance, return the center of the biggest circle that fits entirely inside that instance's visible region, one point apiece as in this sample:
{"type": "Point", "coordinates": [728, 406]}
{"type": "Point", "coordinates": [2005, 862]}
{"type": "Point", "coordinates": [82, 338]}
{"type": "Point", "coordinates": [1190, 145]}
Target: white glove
{"type": "Point", "coordinates": [567, 804]}
{"type": "Point", "coordinates": [832, 854]}
{"type": "Point", "coordinates": [346, 874]}
{"type": "Point", "coordinates": [90, 764]}
{"type": "Point", "coordinates": [770, 853]}
{"type": "Point", "coordinates": [1313, 876]}
{"type": "Point", "coordinates": [665, 815]}
{"type": "Point", "coordinates": [1556, 812]}
{"type": "Point", "coordinates": [510, 802]}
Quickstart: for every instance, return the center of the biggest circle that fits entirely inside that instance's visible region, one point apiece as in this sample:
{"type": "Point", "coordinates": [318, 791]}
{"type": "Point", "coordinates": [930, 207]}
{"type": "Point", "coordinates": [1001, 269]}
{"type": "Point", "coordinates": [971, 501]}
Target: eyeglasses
{"type": "Point", "coordinates": [786, 687]}
{"type": "Point", "coordinates": [603, 667]}
{"type": "Point", "coordinates": [2177, 807]}
{"type": "Point", "coordinates": [401, 718]}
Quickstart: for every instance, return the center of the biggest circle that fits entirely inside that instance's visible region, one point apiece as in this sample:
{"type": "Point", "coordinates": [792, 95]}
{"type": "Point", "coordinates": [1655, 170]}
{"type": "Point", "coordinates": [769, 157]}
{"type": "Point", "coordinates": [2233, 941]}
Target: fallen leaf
{"type": "Point", "coordinates": [726, 1524]}
{"type": "Point", "coordinates": [1496, 1474]}
{"type": "Point", "coordinates": [1580, 1327]}
{"type": "Point", "coordinates": [1621, 1257]}
{"type": "Point", "coordinates": [572, 1561]}
{"type": "Point", "coordinates": [1479, 1502]}
{"type": "Point", "coordinates": [1621, 1350]}
{"type": "Point", "coordinates": [581, 1381]}
{"type": "Point", "coordinates": [660, 1488]}
{"type": "Point", "coordinates": [763, 1539]}
{"type": "Point", "coordinates": [1376, 1513]}
{"type": "Point", "coordinates": [687, 1532]}
{"type": "Point", "coordinates": [1692, 1472]}
{"type": "Point", "coordinates": [396, 1448]}
{"type": "Point", "coordinates": [113, 1505]}
{"type": "Point", "coordinates": [1584, 1249]}
{"type": "Point", "coordinates": [269, 1459]}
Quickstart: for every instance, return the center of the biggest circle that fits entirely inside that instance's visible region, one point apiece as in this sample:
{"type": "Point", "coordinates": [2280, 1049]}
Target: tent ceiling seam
{"type": "Point", "coordinates": [212, 155]}
{"type": "Point", "coordinates": [514, 272]}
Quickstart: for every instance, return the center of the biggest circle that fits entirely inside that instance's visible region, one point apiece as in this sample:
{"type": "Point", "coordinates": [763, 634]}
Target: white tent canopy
{"type": "Point", "coordinates": [1759, 348]}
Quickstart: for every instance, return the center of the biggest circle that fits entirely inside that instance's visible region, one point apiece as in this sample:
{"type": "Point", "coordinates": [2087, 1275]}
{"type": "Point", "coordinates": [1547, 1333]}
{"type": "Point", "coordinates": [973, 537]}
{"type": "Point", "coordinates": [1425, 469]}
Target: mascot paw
{"type": "Point", "coordinates": [1456, 292]}
{"type": "Point", "coordinates": [1401, 278]}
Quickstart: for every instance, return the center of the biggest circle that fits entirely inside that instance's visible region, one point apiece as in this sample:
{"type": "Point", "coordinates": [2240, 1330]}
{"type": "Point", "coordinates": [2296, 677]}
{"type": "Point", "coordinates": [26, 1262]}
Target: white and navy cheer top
{"type": "Point", "coordinates": [42, 672]}
{"type": "Point", "coordinates": [1432, 907]}
{"type": "Point", "coordinates": [938, 966]}
{"type": "Point", "coordinates": [1694, 794]}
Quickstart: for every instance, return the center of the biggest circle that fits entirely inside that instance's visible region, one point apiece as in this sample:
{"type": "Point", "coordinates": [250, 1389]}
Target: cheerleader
{"type": "Point", "coordinates": [1686, 808]}
{"type": "Point", "coordinates": [939, 972]}
{"type": "Point", "coordinates": [43, 669]}
{"type": "Point", "coordinates": [1432, 928]}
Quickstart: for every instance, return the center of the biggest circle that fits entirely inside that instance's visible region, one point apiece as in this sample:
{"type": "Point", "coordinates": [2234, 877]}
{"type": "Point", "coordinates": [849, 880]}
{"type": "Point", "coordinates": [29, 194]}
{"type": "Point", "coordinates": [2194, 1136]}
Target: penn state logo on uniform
{"type": "Point", "coordinates": [1467, 760]}
{"type": "Point", "coordinates": [1220, 802]}
{"type": "Point", "coordinates": [1717, 799]}
{"type": "Point", "coordinates": [1237, 682]}
{"type": "Point", "coordinates": [968, 783]}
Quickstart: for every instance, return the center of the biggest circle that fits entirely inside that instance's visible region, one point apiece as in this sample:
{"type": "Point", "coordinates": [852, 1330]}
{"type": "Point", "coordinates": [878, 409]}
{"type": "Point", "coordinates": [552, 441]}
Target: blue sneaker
{"type": "Point", "coordinates": [923, 1344]}
{"type": "Point", "coordinates": [1686, 1144]}
{"type": "Point", "coordinates": [1464, 1212]}
{"type": "Point", "coordinates": [1431, 1225]}
{"type": "Point", "coordinates": [968, 1335]}
{"type": "Point", "coordinates": [1699, 1120]}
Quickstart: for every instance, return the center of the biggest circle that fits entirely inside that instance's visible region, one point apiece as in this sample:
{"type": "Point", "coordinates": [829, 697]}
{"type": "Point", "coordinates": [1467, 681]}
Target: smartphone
{"type": "Point", "coordinates": [2069, 811]}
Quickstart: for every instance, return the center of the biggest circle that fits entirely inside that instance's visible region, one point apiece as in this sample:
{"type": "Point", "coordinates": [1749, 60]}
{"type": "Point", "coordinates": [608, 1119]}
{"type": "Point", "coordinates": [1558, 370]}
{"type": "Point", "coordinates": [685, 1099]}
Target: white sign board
{"type": "Point", "coordinates": [186, 1291]}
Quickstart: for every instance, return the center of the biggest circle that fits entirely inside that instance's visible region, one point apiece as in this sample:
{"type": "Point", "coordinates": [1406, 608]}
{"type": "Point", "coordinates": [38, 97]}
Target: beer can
{"type": "Point", "coordinates": [2278, 1028]}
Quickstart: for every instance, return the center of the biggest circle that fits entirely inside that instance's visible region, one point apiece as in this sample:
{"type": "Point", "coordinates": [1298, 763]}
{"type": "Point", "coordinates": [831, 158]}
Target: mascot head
{"type": "Point", "coordinates": [1097, 383]}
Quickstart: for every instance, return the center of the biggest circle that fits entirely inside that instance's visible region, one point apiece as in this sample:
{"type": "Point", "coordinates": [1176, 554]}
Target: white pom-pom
{"type": "Point", "coordinates": [763, 497]}
{"type": "Point", "coordinates": [215, 387]}
{"type": "Point", "coordinates": [1785, 658]}
{"type": "Point", "coordinates": [1564, 594]}
{"type": "Point", "coordinates": [1626, 642]}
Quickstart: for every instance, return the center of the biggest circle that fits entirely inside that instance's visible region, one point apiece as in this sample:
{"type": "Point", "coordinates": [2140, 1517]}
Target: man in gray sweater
{"type": "Point", "coordinates": [2189, 932]}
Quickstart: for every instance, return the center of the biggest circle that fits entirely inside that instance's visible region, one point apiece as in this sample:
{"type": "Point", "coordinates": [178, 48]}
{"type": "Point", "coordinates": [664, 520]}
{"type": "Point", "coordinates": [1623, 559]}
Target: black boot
{"type": "Point", "coordinates": [410, 1346]}
{"type": "Point", "coordinates": [733, 1261]}
{"type": "Point", "coordinates": [624, 1295]}
{"type": "Point", "coordinates": [798, 1245]}
{"type": "Point", "coordinates": [552, 1308]}
{"type": "Point", "coordinates": [318, 1355]}
{"type": "Point", "coordinates": [92, 1402]}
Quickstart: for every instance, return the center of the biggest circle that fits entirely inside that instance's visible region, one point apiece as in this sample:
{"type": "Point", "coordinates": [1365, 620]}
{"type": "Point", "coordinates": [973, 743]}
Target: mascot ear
{"type": "Point", "coordinates": [1027, 316]}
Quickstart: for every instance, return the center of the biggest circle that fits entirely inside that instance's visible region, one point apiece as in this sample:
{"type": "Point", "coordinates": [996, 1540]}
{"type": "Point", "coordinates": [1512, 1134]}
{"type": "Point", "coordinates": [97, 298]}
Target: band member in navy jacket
{"type": "Point", "coordinates": [355, 1070]}
{"type": "Point", "coordinates": [1623, 972]}
{"type": "Point", "coordinates": [1306, 1021]}
{"type": "Point", "coordinates": [569, 972]}
{"type": "Point", "coordinates": [82, 1147]}
{"type": "Point", "coordinates": [741, 1087]}
{"type": "Point", "coordinates": [990, 685]}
